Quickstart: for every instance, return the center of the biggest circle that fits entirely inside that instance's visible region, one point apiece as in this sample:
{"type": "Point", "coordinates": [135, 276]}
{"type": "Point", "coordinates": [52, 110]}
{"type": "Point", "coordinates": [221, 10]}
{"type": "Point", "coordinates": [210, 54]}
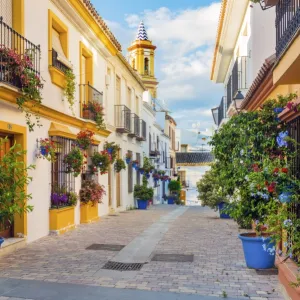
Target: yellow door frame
{"type": "Point", "coordinates": [20, 137]}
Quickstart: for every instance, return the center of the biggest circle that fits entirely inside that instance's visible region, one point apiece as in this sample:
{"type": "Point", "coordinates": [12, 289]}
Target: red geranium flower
{"type": "Point", "coordinates": [284, 170]}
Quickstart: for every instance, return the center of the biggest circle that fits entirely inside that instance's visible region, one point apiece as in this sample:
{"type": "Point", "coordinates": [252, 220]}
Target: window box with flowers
{"type": "Point", "coordinates": [62, 211]}
{"type": "Point", "coordinates": [91, 194]}
{"type": "Point", "coordinates": [94, 111]}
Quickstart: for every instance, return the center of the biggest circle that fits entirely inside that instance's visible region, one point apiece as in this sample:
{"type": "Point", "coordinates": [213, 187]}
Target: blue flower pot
{"type": "Point", "coordinates": [128, 161]}
{"type": "Point", "coordinates": [110, 150]}
{"type": "Point", "coordinates": [43, 150]}
{"type": "Point", "coordinates": [278, 110]}
{"type": "Point", "coordinates": [285, 197]}
{"type": "Point", "coordinates": [1, 241]}
{"type": "Point", "coordinates": [221, 206]}
{"type": "Point", "coordinates": [171, 200]}
{"type": "Point", "coordinates": [259, 252]}
{"type": "Point", "coordinates": [148, 176]}
{"type": "Point", "coordinates": [134, 165]}
{"type": "Point", "coordinates": [142, 204]}
{"type": "Point", "coordinates": [141, 171]}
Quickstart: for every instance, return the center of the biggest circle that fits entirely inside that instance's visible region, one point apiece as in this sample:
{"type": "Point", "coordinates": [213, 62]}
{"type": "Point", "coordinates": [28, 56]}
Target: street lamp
{"type": "Point", "coordinates": [239, 97]}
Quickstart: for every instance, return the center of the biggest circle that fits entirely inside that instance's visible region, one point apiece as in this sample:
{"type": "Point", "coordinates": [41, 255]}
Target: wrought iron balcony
{"type": "Point", "coordinates": [57, 63]}
{"type": "Point", "coordinates": [91, 102]}
{"type": "Point", "coordinates": [239, 75]}
{"type": "Point", "coordinates": [135, 126]}
{"type": "Point", "coordinates": [153, 151]}
{"type": "Point", "coordinates": [287, 23]}
{"type": "Point", "coordinates": [122, 119]}
{"type": "Point", "coordinates": [143, 132]}
{"type": "Point", "coordinates": [16, 50]}
{"type": "Point", "coordinates": [219, 113]}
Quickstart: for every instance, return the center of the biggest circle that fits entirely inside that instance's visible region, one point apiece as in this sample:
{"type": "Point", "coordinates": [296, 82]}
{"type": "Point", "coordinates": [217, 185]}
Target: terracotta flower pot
{"type": "Point", "coordinates": [271, 2]}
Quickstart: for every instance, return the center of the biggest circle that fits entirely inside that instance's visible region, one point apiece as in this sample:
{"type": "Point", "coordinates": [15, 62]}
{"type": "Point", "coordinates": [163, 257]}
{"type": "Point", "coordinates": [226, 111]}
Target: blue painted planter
{"type": "Point", "coordinates": [128, 160]}
{"type": "Point", "coordinates": [142, 204]}
{"type": "Point", "coordinates": [142, 172]}
{"type": "Point", "coordinates": [134, 165]}
{"type": "Point", "coordinates": [148, 176]}
{"type": "Point", "coordinates": [110, 150]}
{"type": "Point", "coordinates": [1, 241]}
{"type": "Point", "coordinates": [259, 252]}
{"type": "Point", "coordinates": [171, 200]}
{"type": "Point", "coordinates": [221, 206]}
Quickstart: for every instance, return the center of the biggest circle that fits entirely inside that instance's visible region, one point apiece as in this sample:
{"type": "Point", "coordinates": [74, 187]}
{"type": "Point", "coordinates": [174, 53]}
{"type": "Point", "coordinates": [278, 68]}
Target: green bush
{"type": "Point", "coordinates": [174, 186]}
{"type": "Point", "coordinates": [142, 192]}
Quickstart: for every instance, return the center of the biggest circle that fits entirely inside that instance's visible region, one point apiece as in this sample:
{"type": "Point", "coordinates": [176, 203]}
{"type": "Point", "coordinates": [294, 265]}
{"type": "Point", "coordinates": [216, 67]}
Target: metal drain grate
{"type": "Point", "coordinates": [113, 215]}
{"type": "Point", "coordinates": [106, 247]}
{"type": "Point", "coordinates": [267, 272]}
{"type": "Point", "coordinates": [117, 266]}
{"type": "Point", "coordinates": [173, 257]}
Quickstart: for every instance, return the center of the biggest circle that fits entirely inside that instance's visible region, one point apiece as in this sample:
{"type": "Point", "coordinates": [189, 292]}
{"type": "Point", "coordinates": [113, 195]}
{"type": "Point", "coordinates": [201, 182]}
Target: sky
{"type": "Point", "coordinates": [184, 32]}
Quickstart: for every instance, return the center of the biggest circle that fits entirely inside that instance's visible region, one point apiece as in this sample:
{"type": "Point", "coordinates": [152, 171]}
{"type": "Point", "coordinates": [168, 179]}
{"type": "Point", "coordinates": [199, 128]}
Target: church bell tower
{"type": "Point", "coordinates": [141, 58]}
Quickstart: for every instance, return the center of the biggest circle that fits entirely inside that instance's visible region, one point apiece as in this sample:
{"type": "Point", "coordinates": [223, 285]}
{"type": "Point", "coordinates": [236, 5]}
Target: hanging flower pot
{"type": "Point", "coordinates": [44, 151]}
{"type": "Point", "coordinates": [128, 160]}
{"type": "Point", "coordinates": [84, 139]}
{"type": "Point", "coordinates": [148, 175]}
{"type": "Point", "coordinates": [278, 110]}
{"type": "Point", "coordinates": [110, 150]}
{"type": "Point", "coordinates": [142, 171]}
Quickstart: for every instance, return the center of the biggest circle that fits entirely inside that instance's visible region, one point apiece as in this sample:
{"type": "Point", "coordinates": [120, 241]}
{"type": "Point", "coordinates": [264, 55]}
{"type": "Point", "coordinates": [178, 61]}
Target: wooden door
{"type": "Point", "coordinates": [6, 228]}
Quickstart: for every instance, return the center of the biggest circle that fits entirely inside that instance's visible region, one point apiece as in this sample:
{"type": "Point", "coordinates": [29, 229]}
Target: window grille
{"type": "Point", "coordinates": [61, 181]}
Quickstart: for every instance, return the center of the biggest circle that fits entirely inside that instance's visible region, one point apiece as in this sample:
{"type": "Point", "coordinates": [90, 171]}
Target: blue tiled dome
{"type": "Point", "coordinates": [142, 33]}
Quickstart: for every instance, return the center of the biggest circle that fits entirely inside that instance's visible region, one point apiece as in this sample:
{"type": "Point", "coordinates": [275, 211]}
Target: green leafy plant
{"type": "Point", "coordinates": [147, 164]}
{"type": "Point", "coordinates": [73, 199]}
{"type": "Point", "coordinates": [253, 169]}
{"type": "Point", "coordinates": [74, 161]}
{"type": "Point", "coordinates": [120, 165]}
{"type": "Point", "coordinates": [101, 160]}
{"type": "Point", "coordinates": [142, 192]}
{"type": "Point", "coordinates": [113, 149]}
{"type": "Point", "coordinates": [70, 88]}
{"type": "Point", "coordinates": [91, 192]}
{"type": "Point", "coordinates": [174, 186]}
{"type": "Point", "coordinates": [14, 179]}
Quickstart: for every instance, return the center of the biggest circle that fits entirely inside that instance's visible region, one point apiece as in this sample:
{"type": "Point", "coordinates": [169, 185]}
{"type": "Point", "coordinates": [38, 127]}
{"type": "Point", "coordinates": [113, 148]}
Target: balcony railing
{"type": "Point", "coordinates": [142, 133]}
{"type": "Point", "coordinates": [287, 23]}
{"type": "Point", "coordinates": [122, 119]}
{"type": "Point", "coordinates": [219, 113]}
{"type": "Point", "coordinates": [239, 75]}
{"type": "Point", "coordinates": [153, 151]}
{"type": "Point", "coordinates": [14, 46]}
{"type": "Point", "coordinates": [92, 101]}
{"type": "Point", "coordinates": [135, 126]}
{"type": "Point", "coordinates": [57, 63]}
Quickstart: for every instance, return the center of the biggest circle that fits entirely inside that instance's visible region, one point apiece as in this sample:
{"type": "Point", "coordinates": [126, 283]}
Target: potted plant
{"type": "Point", "coordinates": [175, 188]}
{"type": "Point", "coordinates": [91, 193]}
{"type": "Point", "coordinates": [14, 178]}
{"type": "Point", "coordinates": [74, 161]}
{"type": "Point", "coordinates": [101, 160]}
{"type": "Point", "coordinates": [47, 150]}
{"type": "Point", "coordinates": [142, 171]}
{"type": "Point", "coordinates": [84, 139]}
{"type": "Point", "coordinates": [255, 176]}
{"type": "Point", "coordinates": [120, 165]}
{"type": "Point", "coordinates": [128, 157]}
{"type": "Point", "coordinates": [135, 164]}
{"type": "Point", "coordinates": [112, 149]}
{"type": "Point", "coordinates": [143, 194]}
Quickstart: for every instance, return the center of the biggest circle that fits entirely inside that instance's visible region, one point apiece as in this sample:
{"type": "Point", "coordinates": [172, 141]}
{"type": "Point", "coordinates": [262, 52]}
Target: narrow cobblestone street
{"type": "Point", "coordinates": [218, 268]}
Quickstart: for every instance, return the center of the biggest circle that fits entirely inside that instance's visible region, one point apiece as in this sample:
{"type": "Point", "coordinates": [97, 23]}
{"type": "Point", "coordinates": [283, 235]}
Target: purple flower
{"type": "Point", "coordinates": [55, 199]}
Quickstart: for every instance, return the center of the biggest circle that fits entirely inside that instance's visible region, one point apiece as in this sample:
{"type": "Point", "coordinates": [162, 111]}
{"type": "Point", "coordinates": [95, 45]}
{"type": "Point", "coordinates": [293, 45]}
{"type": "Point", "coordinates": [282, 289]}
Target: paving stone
{"type": "Point", "coordinates": [218, 257]}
